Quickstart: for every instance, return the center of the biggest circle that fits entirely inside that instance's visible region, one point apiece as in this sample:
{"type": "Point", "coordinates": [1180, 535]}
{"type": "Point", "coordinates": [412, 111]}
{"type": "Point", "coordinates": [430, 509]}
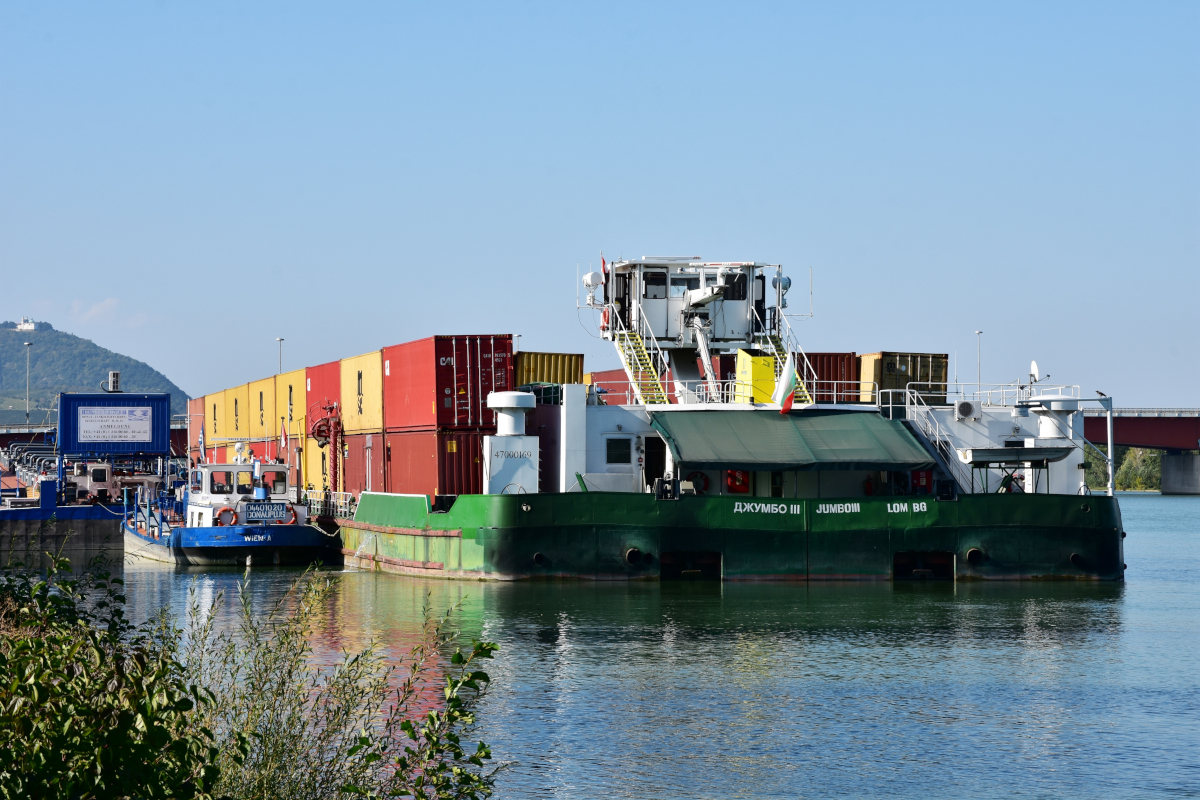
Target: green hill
{"type": "Point", "coordinates": [62, 362]}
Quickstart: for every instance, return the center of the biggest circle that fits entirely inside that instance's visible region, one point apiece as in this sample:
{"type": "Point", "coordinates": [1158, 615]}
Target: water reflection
{"type": "Point", "coordinates": [794, 690]}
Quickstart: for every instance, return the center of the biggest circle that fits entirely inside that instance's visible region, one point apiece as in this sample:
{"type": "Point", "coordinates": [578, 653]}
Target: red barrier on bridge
{"type": "Point", "coordinates": [1159, 432]}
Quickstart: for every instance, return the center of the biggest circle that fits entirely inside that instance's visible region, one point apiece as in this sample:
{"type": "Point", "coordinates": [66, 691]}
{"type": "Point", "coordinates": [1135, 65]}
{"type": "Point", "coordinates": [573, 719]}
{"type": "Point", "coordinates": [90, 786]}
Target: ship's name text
{"type": "Point", "coordinates": [838, 508]}
{"type": "Point", "coordinates": [768, 508]}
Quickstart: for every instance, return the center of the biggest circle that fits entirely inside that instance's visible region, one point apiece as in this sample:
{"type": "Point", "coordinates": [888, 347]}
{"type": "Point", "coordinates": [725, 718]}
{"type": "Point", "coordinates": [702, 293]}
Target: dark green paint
{"type": "Point", "coordinates": [588, 535]}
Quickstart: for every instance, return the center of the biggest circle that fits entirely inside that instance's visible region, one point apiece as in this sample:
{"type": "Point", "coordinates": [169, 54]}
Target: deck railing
{"type": "Point", "coordinates": [338, 505]}
{"type": "Point", "coordinates": [734, 391]}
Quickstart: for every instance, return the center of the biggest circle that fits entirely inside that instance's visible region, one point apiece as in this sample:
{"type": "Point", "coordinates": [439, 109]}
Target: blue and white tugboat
{"type": "Point", "coordinates": [229, 514]}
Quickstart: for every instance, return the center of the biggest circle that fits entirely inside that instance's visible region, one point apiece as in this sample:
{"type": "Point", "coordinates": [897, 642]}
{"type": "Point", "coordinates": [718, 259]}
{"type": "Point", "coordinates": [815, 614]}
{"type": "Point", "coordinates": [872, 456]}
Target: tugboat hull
{"type": "Point", "coordinates": [236, 545]}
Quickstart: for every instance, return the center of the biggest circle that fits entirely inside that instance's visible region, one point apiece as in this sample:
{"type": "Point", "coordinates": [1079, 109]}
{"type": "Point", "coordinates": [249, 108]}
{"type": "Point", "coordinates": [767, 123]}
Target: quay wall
{"type": "Point", "coordinates": [78, 533]}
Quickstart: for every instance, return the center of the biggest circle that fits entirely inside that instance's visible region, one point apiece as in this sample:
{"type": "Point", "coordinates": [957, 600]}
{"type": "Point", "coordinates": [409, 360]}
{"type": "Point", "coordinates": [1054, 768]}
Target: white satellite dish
{"type": "Point", "coordinates": [1034, 375]}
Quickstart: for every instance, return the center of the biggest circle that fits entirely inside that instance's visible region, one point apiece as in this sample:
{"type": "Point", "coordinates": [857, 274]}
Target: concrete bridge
{"type": "Point", "coordinates": [1175, 430]}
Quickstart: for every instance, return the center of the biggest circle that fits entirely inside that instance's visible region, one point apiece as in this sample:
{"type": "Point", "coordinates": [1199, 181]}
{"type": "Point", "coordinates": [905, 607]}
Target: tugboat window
{"type": "Point", "coordinates": [245, 482]}
{"type": "Point", "coordinates": [654, 286]}
{"type": "Point", "coordinates": [221, 482]}
{"type": "Point", "coordinates": [619, 451]}
{"type": "Point", "coordinates": [276, 481]}
{"type": "Point", "coordinates": [680, 286]}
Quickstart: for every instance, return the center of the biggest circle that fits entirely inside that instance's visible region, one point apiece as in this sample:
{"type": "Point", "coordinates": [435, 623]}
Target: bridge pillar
{"type": "Point", "coordinates": [1180, 474]}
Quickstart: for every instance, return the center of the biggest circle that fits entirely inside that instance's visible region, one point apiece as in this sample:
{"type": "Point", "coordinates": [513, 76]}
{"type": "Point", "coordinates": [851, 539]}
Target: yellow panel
{"type": "Point", "coordinates": [869, 365]}
{"type": "Point", "coordinates": [236, 424]}
{"type": "Point", "coordinates": [755, 378]}
{"type": "Point", "coordinates": [362, 393]}
{"type": "Point", "coordinates": [264, 422]}
{"type": "Point", "coordinates": [290, 404]}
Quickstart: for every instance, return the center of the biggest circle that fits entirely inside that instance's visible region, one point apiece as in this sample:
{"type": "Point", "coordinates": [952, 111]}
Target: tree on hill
{"type": "Point", "coordinates": [63, 362]}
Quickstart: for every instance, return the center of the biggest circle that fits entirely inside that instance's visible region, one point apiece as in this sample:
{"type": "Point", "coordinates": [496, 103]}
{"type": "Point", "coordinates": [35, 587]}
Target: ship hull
{"type": "Point", "coordinates": [236, 545]}
{"type": "Point", "coordinates": [612, 536]}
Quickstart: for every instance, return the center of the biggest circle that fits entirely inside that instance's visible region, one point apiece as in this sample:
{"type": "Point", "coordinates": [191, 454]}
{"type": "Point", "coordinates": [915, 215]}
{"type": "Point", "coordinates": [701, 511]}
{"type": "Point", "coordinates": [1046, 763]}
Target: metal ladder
{"type": "Point", "coordinates": [639, 367]}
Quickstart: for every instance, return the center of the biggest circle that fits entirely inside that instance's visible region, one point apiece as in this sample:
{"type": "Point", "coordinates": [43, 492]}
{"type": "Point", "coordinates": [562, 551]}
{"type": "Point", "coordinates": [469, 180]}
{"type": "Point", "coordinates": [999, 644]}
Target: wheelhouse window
{"type": "Point", "coordinates": [654, 286]}
{"type": "Point", "coordinates": [220, 482]}
{"type": "Point", "coordinates": [276, 482]}
{"type": "Point", "coordinates": [99, 475]}
{"type": "Point", "coordinates": [618, 451]}
{"type": "Point", "coordinates": [735, 287]}
{"type": "Point", "coordinates": [245, 482]}
{"type": "Point", "coordinates": [680, 286]}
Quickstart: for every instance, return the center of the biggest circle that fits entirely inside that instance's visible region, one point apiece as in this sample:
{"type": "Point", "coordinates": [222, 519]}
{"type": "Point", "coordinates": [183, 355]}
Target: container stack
{"type": "Point", "coordinates": [413, 415]}
{"type": "Point", "coordinates": [435, 410]}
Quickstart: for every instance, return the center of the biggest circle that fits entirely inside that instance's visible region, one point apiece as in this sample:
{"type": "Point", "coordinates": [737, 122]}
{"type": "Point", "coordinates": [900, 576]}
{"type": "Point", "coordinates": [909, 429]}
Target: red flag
{"type": "Point", "coordinates": [604, 268]}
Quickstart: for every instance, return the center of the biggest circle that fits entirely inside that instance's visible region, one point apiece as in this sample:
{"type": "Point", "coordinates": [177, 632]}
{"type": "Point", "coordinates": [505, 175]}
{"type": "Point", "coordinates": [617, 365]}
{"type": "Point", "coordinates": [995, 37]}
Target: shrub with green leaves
{"type": "Point", "coordinates": [91, 707]}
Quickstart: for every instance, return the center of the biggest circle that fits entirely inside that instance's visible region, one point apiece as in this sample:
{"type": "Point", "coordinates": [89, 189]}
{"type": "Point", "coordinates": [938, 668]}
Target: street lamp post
{"type": "Point", "coordinates": [280, 340]}
{"type": "Point", "coordinates": [978, 353]}
{"type": "Point", "coordinates": [27, 346]}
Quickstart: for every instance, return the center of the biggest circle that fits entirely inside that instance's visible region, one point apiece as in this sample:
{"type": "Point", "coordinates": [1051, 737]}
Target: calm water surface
{"type": "Point", "coordinates": [647, 690]}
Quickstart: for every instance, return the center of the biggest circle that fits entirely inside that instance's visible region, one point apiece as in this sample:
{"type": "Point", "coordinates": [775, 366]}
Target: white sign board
{"type": "Point", "coordinates": [114, 424]}
{"type": "Point", "coordinates": [511, 466]}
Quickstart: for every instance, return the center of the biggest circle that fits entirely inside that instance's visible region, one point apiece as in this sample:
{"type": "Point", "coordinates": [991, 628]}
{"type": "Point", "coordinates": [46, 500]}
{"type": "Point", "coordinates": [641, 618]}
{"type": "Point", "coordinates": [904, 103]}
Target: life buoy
{"type": "Point", "coordinates": [604, 320]}
{"type": "Point", "coordinates": [217, 516]}
{"type": "Point", "coordinates": [699, 482]}
{"type": "Point", "coordinates": [292, 520]}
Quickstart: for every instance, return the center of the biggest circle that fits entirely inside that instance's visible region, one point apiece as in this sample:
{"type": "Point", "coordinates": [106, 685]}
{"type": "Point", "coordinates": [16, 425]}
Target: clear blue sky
{"type": "Point", "coordinates": [185, 182]}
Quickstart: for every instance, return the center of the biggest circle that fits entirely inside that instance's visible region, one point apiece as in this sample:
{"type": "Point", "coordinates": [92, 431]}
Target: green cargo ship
{"type": "Point", "coordinates": [779, 473]}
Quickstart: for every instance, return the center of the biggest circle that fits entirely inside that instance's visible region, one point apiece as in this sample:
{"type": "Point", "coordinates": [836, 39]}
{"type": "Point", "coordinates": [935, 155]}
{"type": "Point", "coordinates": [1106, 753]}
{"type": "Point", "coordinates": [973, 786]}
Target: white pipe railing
{"type": "Point", "coordinates": [339, 505]}
{"type": "Point", "coordinates": [735, 391]}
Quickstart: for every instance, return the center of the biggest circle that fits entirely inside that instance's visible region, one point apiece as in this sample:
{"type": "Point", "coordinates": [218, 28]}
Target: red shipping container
{"type": "Point", "coordinates": [442, 382]}
{"type": "Point", "coordinates": [323, 385]}
{"type": "Point", "coordinates": [434, 462]}
{"type": "Point", "coordinates": [840, 367]}
{"type": "Point", "coordinates": [363, 460]}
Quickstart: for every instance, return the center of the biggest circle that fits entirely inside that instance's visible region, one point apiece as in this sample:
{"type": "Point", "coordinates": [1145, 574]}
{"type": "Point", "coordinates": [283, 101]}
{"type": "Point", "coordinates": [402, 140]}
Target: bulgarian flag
{"type": "Point", "coordinates": [785, 390]}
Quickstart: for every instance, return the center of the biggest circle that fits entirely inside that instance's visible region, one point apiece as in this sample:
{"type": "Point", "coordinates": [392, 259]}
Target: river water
{"type": "Point", "coordinates": [632, 690]}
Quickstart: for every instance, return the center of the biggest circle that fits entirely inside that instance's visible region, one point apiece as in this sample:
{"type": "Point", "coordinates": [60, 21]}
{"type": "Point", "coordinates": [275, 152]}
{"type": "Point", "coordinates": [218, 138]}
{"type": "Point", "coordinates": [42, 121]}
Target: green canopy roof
{"type": "Point", "coordinates": [805, 440]}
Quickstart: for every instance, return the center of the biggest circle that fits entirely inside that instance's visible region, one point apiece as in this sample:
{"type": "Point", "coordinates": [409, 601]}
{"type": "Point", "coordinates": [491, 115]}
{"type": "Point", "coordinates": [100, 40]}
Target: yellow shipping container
{"type": "Point", "coordinates": [755, 378]}
{"type": "Point", "coordinates": [362, 393]}
{"type": "Point", "coordinates": [546, 368]}
{"type": "Point", "coordinates": [289, 404]}
{"type": "Point", "coordinates": [264, 422]}
{"type": "Point", "coordinates": [237, 412]}
{"type": "Point", "coordinates": [927, 371]}
{"type": "Point", "coordinates": [214, 418]}
{"type": "Point", "coordinates": [316, 467]}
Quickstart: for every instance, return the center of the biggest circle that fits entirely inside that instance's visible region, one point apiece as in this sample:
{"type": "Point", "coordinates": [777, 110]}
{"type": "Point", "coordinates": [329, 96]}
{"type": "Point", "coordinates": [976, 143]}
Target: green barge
{"type": "Point", "coordinates": [610, 536]}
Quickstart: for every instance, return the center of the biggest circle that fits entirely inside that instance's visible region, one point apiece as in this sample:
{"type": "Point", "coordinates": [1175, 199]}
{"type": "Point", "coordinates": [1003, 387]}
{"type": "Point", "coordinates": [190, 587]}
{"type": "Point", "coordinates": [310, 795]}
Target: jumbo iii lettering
{"type": "Point", "coordinates": [768, 508]}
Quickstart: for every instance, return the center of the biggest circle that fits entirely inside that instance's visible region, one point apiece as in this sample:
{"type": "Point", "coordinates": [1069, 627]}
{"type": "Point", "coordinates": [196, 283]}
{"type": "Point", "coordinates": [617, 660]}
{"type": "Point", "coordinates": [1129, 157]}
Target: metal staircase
{"type": "Point", "coordinates": [639, 366]}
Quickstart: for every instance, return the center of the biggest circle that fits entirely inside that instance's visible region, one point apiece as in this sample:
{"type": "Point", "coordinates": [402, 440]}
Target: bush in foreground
{"type": "Point", "coordinates": [94, 707]}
